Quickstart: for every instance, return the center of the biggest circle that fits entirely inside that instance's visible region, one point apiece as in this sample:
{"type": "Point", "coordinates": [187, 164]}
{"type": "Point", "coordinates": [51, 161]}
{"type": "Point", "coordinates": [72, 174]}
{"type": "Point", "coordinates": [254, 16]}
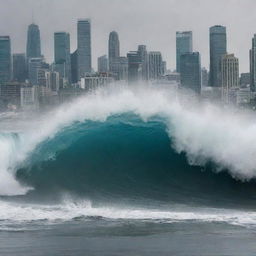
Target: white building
{"type": "Point", "coordinates": [229, 76]}
{"type": "Point", "coordinates": [155, 65]}
{"type": "Point", "coordinates": [91, 83]}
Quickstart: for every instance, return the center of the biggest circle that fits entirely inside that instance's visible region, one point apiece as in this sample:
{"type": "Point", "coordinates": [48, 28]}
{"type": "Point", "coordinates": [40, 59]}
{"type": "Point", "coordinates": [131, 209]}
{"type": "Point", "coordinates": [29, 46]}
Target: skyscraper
{"type": "Point", "coordinates": [155, 65]}
{"type": "Point", "coordinates": [103, 64]}
{"type": "Point", "coordinates": [253, 64]}
{"type": "Point", "coordinates": [5, 59]}
{"type": "Point", "coordinates": [33, 42]}
{"type": "Point", "coordinates": [19, 67]}
{"type": "Point", "coordinates": [134, 67]}
{"type": "Point", "coordinates": [218, 48]}
{"type": "Point", "coordinates": [34, 64]}
{"type": "Point", "coordinates": [142, 51]}
{"type": "Point", "coordinates": [84, 57]}
{"type": "Point", "coordinates": [113, 49]}
{"type": "Point", "coordinates": [120, 68]}
{"type": "Point", "coordinates": [229, 75]}
{"type": "Point", "coordinates": [184, 44]}
{"type": "Point", "coordinates": [190, 71]}
{"type": "Point", "coordinates": [205, 77]}
{"type": "Point", "coordinates": [74, 68]}
{"type": "Point", "coordinates": [62, 57]}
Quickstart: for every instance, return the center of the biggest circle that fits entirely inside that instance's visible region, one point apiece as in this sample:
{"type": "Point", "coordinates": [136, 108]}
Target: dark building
{"type": "Point", "coordinates": [62, 59]}
{"type": "Point", "coordinates": [34, 64]}
{"type": "Point", "coordinates": [20, 73]}
{"type": "Point", "coordinates": [113, 49]}
{"type": "Point", "coordinates": [84, 56]}
{"type": "Point", "coordinates": [218, 48]}
{"type": "Point", "coordinates": [205, 77]}
{"type": "Point", "coordinates": [184, 44]}
{"type": "Point", "coordinates": [33, 42]}
{"type": "Point", "coordinates": [74, 68]}
{"type": "Point", "coordinates": [245, 80]}
{"type": "Point", "coordinates": [134, 67]}
{"type": "Point", "coordinates": [5, 59]}
{"type": "Point", "coordinates": [190, 71]}
{"type": "Point", "coordinates": [253, 64]}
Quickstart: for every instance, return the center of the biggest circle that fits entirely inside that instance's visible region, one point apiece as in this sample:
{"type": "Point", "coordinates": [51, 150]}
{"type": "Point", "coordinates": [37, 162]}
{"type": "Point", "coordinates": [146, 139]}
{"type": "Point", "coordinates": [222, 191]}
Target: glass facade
{"type": "Point", "coordinates": [84, 57]}
{"type": "Point", "coordinates": [218, 48]}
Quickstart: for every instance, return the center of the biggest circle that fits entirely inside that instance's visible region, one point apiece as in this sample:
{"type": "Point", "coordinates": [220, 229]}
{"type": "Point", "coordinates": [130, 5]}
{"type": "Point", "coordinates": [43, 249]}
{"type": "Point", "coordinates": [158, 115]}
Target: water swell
{"type": "Point", "coordinates": [66, 143]}
{"type": "Point", "coordinates": [125, 158]}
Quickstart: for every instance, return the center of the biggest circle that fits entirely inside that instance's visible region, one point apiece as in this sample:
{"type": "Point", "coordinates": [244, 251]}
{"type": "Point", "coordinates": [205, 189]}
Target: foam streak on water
{"type": "Point", "coordinates": [14, 215]}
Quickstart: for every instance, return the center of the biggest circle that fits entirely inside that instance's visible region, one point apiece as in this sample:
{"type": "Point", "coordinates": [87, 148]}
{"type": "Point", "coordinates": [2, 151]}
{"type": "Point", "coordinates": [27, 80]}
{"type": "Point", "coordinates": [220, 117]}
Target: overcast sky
{"type": "Point", "coordinates": [150, 22]}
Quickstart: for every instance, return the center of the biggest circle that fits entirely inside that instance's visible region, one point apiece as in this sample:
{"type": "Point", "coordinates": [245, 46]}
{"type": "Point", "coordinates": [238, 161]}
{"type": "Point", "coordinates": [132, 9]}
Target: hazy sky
{"type": "Point", "coordinates": [150, 22]}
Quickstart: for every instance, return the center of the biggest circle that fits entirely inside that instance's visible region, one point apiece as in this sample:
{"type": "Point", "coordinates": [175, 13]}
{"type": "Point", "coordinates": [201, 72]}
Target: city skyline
{"type": "Point", "coordinates": [159, 35]}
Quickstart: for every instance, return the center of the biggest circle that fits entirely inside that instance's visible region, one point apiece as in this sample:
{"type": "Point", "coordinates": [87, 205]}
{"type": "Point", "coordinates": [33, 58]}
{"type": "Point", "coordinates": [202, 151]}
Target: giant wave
{"type": "Point", "coordinates": [134, 142]}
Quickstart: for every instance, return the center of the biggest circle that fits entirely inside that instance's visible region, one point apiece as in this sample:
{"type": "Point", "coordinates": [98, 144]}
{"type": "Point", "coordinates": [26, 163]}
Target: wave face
{"type": "Point", "coordinates": [126, 143]}
{"type": "Point", "coordinates": [126, 158]}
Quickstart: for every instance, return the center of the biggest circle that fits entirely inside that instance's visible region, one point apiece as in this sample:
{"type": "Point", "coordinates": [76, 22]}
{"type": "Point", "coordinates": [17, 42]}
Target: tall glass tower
{"type": "Point", "coordinates": [184, 44]}
{"type": "Point", "coordinates": [19, 67]}
{"type": "Point", "coordinates": [253, 64]}
{"type": "Point", "coordinates": [84, 56]}
{"type": "Point", "coordinates": [62, 57]}
{"type": "Point", "coordinates": [33, 42]}
{"type": "Point", "coordinates": [113, 49]}
{"type": "Point", "coordinates": [218, 48]}
{"type": "Point", "coordinates": [5, 59]}
{"type": "Point", "coordinates": [190, 71]}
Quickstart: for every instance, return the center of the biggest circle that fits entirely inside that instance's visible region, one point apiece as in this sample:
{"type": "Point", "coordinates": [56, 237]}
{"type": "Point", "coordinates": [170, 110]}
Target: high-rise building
{"type": "Point", "coordinates": [5, 59]}
{"type": "Point", "coordinates": [245, 80]}
{"type": "Point", "coordinates": [120, 68]}
{"type": "Point", "coordinates": [142, 51]}
{"type": "Point", "coordinates": [134, 67]}
{"type": "Point", "coordinates": [205, 77]}
{"type": "Point", "coordinates": [84, 58]}
{"type": "Point", "coordinates": [103, 64]}
{"type": "Point", "coordinates": [253, 64]}
{"type": "Point", "coordinates": [164, 67]}
{"type": "Point", "coordinates": [113, 49]}
{"type": "Point", "coordinates": [41, 77]}
{"type": "Point", "coordinates": [33, 42]}
{"type": "Point", "coordinates": [229, 75]}
{"type": "Point", "coordinates": [74, 67]}
{"type": "Point", "coordinates": [34, 64]}
{"type": "Point", "coordinates": [190, 71]}
{"type": "Point", "coordinates": [218, 48]}
{"type": "Point", "coordinates": [52, 81]}
{"type": "Point", "coordinates": [19, 67]}
{"type": "Point", "coordinates": [155, 65]}
{"type": "Point", "coordinates": [62, 59]}
{"type": "Point", "coordinates": [184, 44]}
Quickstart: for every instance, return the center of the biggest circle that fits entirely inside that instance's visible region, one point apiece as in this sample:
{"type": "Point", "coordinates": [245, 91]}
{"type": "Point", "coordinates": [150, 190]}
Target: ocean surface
{"type": "Point", "coordinates": [128, 172]}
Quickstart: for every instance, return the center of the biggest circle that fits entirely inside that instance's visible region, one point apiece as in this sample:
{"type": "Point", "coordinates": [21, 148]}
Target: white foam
{"type": "Point", "coordinates": [203, 132]}
{"type": "Point", "coordinates": [14, 214]}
